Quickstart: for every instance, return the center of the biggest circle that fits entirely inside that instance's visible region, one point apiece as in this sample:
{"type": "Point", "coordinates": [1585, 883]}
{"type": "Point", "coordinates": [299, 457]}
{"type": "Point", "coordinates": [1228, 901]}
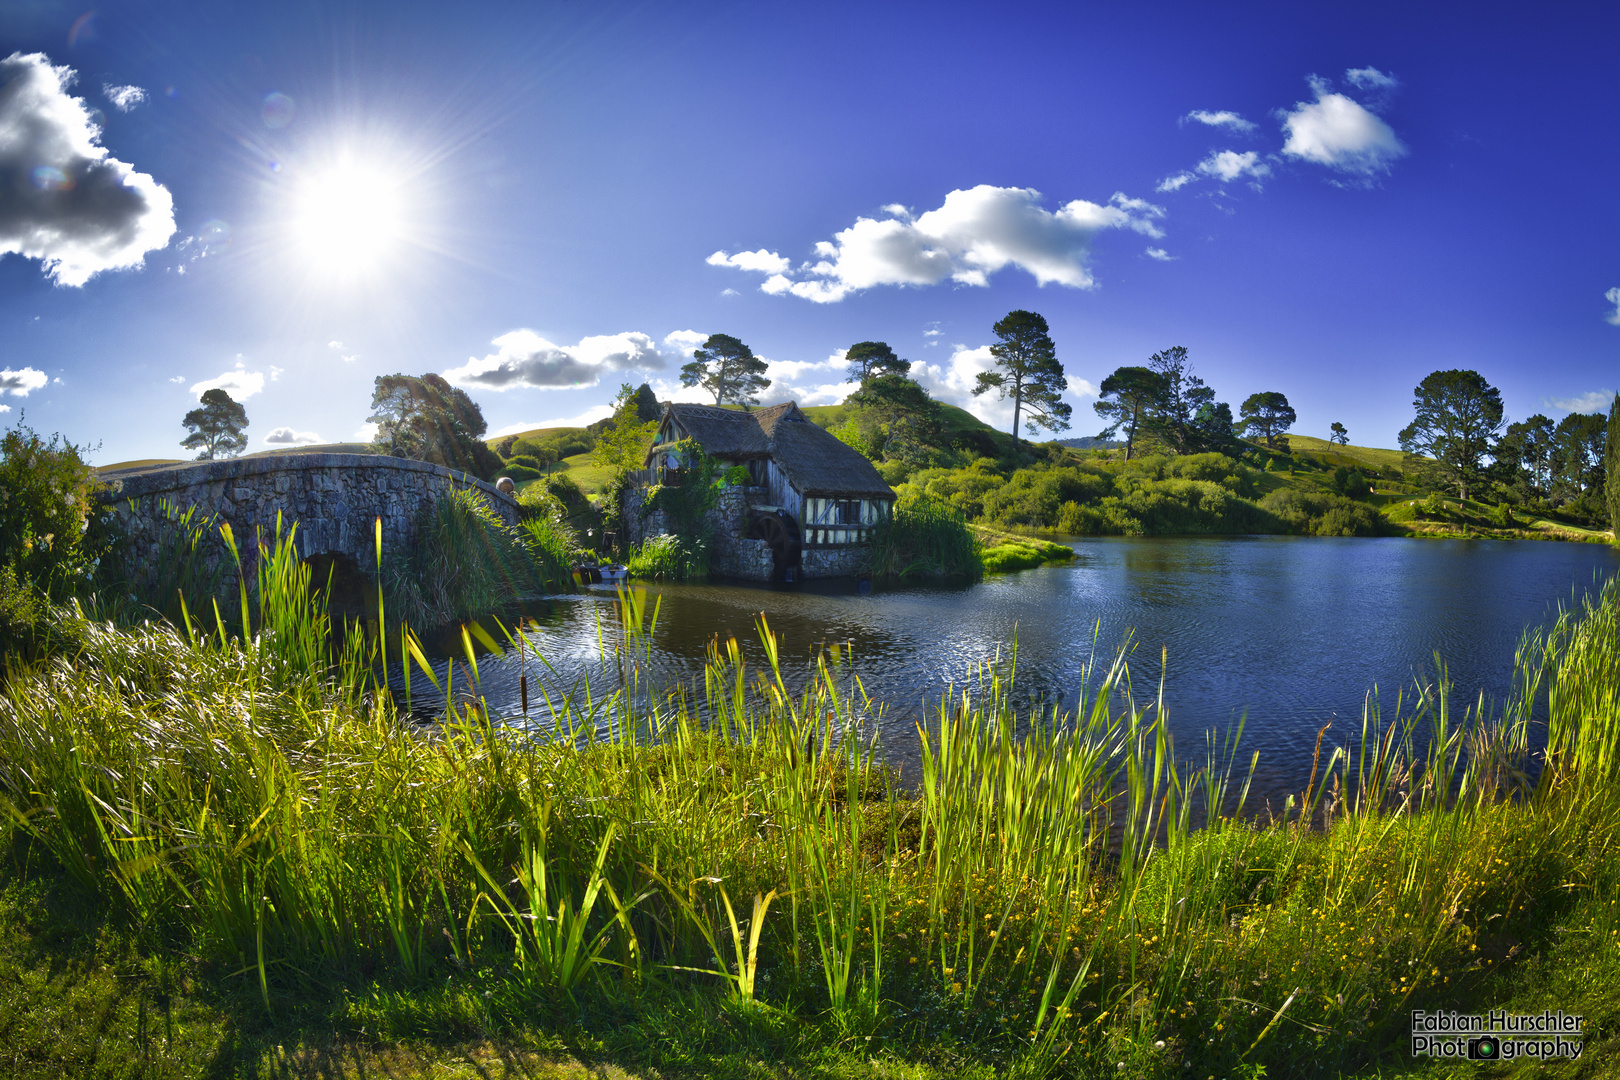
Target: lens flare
{"type": "Point", "coordinates": [278, 110]}
{"type": "Point", "coordinates": [50, 178]}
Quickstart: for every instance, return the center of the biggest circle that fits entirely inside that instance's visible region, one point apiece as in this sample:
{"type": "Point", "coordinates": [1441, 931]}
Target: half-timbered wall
{"type": "Point", "coordinates": [835, 522]}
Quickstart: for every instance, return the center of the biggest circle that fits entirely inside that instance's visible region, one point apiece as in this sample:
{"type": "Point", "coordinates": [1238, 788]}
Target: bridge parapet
{"type": "Point", "coordinates": [335, 498]}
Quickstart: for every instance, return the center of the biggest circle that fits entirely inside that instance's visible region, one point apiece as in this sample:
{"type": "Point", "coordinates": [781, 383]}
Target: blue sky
{"type": "Point", "coordinates": [542, 201]}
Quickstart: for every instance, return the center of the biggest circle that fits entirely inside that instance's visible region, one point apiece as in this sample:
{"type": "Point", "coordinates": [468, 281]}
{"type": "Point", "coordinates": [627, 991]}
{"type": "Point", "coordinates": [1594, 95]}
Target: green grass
{"type": "Point", "coordinates": [536, 434]}
{"type": "Point", "coordinates": [584, 471]}
{"type": "Point", "coordinates": [724, 880]}
{"type": "Point", "coordinates": [1004, 552]}
{"type": "Point", "coordinates": [1351, 456]}
{"type": "Point", "coordinates": [1456, 518]}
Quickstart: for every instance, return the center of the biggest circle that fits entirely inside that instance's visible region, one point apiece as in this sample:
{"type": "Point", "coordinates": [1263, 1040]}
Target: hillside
{"type": "Point", "coordinates": [1350, 456]}
{"type": "Point", "coordinates": [536, 434]}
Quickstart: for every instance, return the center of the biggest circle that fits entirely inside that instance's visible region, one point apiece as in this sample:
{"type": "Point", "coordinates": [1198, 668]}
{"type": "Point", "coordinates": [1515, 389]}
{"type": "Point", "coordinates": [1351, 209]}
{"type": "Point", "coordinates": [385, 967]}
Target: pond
{"type": "Point", "coordinates": [1286, 633]}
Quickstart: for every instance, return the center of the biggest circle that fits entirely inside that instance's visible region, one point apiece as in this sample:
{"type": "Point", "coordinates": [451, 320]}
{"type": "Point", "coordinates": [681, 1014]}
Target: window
{"type": "Point", "coordinates": [847, 512]}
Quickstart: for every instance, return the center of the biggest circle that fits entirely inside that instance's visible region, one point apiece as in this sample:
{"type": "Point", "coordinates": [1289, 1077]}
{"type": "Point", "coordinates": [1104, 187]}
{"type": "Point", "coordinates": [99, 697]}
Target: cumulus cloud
{"type": "Point", "coordinates": [275, 373]}
{"type": "Point", "coordinates": [1613, 297]}
{"type": "Point", "coordinates": [286, 436]}
{"type": "Point", "coordinates": [1160, 254]}
{"type": "Point", "coordinates": [765, 262]}
{"type": "Point", "coordinates": [241, 384]}
{"type": "Point", "coordinates": [1593, 401]}
{"type": "Point", "coordinates": [124, 98]}
{"type": "Point", "coordinates": [1228, 165]}
{"type": "Point", "coordinates": [1338, 132]}
{"type": "Point", "coordinates": [953, 379]}
{"type": "Point", "coordinates": [975, 233]}
{"type": "Point", "coordinates": [1222, 119]}
{"type": "Point", "coordinates": [524, 358]}
{"type": "Point", "coordinates": [5, 408]}
{"type": "Point", "coordinates": [1176, 182]}
{"type": "Point", "coordinates": [368, 432]}
{"type": "Point", "coordinates": [178, 379]}
{"type": "Point", "coordinates": [18, 383]}
{"type": "Point", "coordinates": [339, 347]}
{"type": "Point", "coordinates": [684, 342]}
{"type": "Point", "coordinates": [1369, 78]}
{"type": "Point", "coordinates": [69, 203]}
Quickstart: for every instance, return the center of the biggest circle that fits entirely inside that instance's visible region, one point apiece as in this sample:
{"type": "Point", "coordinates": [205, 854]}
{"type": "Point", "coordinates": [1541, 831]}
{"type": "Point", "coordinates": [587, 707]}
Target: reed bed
{"type": "Point", "coordinates": [1062, 893]}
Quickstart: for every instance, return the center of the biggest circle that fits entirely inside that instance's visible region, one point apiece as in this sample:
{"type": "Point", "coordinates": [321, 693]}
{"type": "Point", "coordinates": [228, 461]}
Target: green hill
{"type": "Point", "coordinates": [1349, 456]}
{"type": "Point", "coordinates": [536, 434]}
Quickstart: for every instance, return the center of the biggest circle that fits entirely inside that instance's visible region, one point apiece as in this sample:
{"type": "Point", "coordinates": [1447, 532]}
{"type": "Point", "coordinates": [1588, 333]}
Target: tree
{"type": "Point", "coordinates": [1611, 467]}
{"type": "Point", "coordinates": [1127, 398]}
{"type": "Point", "coordinates": [869, 358]}
{"type": "Point", "coordinates": [896, 417]}
{"type": "Point", "coordinates": [429, 420]}
{"type": "Point", "coordinates": [216, 427]}
{"type": "Point", "coordinates": [1458, 417]}
{"type": "Point", "coordinates": [622, 445]}
{"type": "Point", "coordinates": [1212, 428]}
{"type": "Point", "coordinates": [1524, 457]}
{"type": "Point", "coordinates": [1340, 434]}
{"type": "Point", "coordinates": [647, 407]}
{"type": "Point", "coordinates": [1186, 413]}
{"type": "Point", "coordinates": [1029, 373]}
{"type": "Point", "coordinates": [726, 368]}
{"type": "Point", "coordinates": [1578, 445]}
{"type": "Point", "coordinates": [51, 528]}
{"type": "Point", "coordinates": [1269, 414]}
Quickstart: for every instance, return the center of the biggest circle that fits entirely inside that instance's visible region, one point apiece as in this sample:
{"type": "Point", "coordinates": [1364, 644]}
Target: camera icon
{"type": "Point", "coordinates": [1484, 1048]}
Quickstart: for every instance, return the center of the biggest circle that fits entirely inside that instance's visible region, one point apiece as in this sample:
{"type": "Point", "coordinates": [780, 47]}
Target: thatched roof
{"type": "Point", "coordinates": [815, 462]}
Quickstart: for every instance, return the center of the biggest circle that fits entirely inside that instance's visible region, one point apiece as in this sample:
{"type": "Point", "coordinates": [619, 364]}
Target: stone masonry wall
{"type": "Point", "coordinates": [335, 499]}
{"type": "Point", "coordinates": [732, 555]}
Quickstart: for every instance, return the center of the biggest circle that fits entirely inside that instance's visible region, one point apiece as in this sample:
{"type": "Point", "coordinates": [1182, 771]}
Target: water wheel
{"type": "Point", "coordinates": [782, 534]}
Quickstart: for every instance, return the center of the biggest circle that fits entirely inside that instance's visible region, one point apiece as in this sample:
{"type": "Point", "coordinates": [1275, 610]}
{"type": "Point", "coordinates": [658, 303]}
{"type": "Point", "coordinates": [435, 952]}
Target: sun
{"type": "Point", "coordinates": [349, 218]}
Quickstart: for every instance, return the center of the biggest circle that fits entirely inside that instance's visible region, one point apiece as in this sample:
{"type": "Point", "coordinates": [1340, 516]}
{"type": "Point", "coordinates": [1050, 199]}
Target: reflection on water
{"type": "Point", "coordinates": [1289, 632]}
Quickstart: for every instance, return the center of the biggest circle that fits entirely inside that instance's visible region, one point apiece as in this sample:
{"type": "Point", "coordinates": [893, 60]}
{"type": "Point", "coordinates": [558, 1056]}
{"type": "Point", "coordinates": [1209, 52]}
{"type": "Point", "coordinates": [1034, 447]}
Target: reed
{"type": "Point", "coordinates": [1061, 891]}
{"type": "Point", "coordinates": [924, 538]}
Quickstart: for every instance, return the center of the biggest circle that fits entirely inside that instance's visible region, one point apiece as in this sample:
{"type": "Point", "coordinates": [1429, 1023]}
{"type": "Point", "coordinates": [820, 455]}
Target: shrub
{"type": "Point", "coordinates": [551, 545]}
{"type": "Point", "coordinates": [520, 472]}
{"type": "Point", "coordinates": [51, 530]}
{"type": "Point", "coordinates": [739, 476]}
{"type": "Point", "coordinates": [925, 537]}
{"type": "Point", "coordinates": [1322, 514]}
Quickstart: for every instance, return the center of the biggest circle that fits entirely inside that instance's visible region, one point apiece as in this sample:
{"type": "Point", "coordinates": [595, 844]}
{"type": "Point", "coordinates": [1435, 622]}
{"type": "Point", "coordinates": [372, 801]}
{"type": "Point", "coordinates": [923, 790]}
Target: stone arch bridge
{"type": "Point", "coordinates": [336, 500]}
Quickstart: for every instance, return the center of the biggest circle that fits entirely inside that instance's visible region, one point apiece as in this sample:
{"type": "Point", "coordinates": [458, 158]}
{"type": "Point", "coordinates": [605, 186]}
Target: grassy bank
{"type": "Point", "coordinates": [243, 860]}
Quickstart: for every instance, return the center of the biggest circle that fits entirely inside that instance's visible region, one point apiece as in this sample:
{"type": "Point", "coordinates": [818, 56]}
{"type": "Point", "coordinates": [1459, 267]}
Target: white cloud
{"type": "Point", "coordinates": [1337, 132]}
{"type": "Point", "coordinates": [1160, 254]}
{"type": "Point", "coordinates": [1176, 182]}
{"type": "Point", "coordinates": [524, 358]}
{"type": "Point", "coordinates": [286, 436]}
{"type": "Point", "coordinates": [762, 261]}
{"type": "Point", "coordinates": [338, 345]}
{"type": "Point", "coordinates": [18, 383]}
{"type": "Point", "coordinates": [975, 233]}
{"type": "Point", "coordinates": [1370, 78]}
{"type": "Point", "coordinates": [275, 373]}
{"type": "Point", "coordinates": [69, 203]}
{"type": "Point", "coordinates": [729, 292]}
{"type": "Point", "coordinates": [124, 98]}
{"type": "Point", "coordinates": [584, 419]}
{"type": "Point", "coordinates": [952, 381]}
{"type": "Point", "coordinates": [5, 408]}
{"type": "Point", "coordinates": [240, 384]}
{"type": "Point", "coordinates": [1613, 297]}
{"type": "Point", "coordinates": [1593, 401]}
{"type": "Point", "coordinates": [1228, 165]}
{"type": "Point", "coordinates": [178, 379]}
{"type": "Point", "coordinates": [367, 432]}
{"type": "Point", "coordinates": [684, 342]}
{"type": "Point", "coordinates": [932, 333]}
{"type": "Point", "coordinates": [1223, 119]}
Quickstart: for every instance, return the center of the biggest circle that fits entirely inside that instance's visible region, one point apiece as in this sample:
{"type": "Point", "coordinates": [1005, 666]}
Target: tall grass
{"type": "Point", "coordinates": [670, 558]}
{"type": "Point", "coordinates": [924, 537]}
{"type": "Point", "coordinates": [465, 563]}
{"type": "Point", "coordinates": [1061, 892]}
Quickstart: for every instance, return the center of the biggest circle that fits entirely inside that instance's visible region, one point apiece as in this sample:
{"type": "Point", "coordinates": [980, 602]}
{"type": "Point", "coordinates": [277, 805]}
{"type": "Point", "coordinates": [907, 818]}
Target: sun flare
{"type": "Point", "coordinates": [349, 218]}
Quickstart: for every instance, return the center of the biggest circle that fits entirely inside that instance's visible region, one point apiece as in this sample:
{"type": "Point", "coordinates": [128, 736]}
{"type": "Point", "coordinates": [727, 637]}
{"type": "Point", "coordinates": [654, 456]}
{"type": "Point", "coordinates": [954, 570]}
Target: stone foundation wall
{"type": "Point", "coordinates": [732, 556]}
{"type": "Point", "coordinates": [336, 500]}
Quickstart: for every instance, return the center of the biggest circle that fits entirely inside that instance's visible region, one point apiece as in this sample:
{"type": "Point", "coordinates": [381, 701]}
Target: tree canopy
{"type": "Point", "coordinates": [1340, 434]}
{"type": "Point", "coordinates": [897, 419]}
{"type": "Point", "coordinates": [1611, 467]}
{"type": "Point", "coordinates": [1458, 417]}
{"type": "Point", "coordinates": [869, 358]}
{"type": "Point", "coordinates": [1186, 414]}
{"type": "Point", "coordinates": [622, 444]}
{"type": "Point", "coordinates": [1268, 414]}
{"type": "Point", "coordinates": [1127, 399]}
{"type": "Point", "coordinates": [429, 420]}
{"type": "Point", "coordinates": [728, 369]}
{"type": "Point", "coordinates": [1028, 372]}
{"type": "Point", "coordinates": [216, 426]}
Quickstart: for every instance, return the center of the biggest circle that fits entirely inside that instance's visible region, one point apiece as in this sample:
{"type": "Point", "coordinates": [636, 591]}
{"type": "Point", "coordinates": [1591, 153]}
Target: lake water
{"type": "Point", "coordinates": [1287, 632]}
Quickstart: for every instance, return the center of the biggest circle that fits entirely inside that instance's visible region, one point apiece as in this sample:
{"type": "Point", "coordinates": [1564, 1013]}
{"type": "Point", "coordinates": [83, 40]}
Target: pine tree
{"type": "Point", "coordinates": [1611, 467]}
{"type": "Point", "coordinates": [216, 427]}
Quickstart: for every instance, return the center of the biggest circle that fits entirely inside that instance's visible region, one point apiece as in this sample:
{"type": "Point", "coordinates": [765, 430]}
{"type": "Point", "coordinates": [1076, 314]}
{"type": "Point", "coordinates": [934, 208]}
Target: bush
{"type": "Point", "coordinates": [738, 476]}
{"type": "Point", "coordinates": [520, 472]}
{"type": "Point", "coordinates": [51, 530]}
{"type": "Point", "coordinates": [1322, 514]}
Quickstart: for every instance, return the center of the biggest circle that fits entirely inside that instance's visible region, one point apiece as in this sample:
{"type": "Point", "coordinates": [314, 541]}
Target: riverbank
{"type": "Point", "coordinates": [216, 859]}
